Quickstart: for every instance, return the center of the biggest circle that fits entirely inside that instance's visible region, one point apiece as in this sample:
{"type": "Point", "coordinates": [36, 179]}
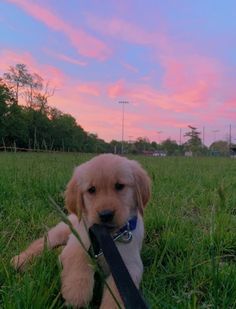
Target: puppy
{"type": "Point", "coordinates": [109, 190]}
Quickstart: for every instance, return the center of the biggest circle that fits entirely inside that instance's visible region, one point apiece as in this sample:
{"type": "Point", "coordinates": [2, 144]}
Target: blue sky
{"type": "Point", "coordinates": [174, 61]}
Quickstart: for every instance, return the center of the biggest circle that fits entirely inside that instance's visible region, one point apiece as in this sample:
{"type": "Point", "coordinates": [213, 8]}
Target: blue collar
{"type": "Point", "coordinates": [124, 234]}
{"type": "Point", "coordinates": [129, 226]}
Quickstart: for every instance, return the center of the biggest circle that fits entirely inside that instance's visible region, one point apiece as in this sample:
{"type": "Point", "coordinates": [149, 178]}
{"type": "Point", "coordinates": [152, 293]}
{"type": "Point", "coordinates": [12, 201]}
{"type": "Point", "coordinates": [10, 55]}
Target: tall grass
{"type": "Point", "coordinates": [189, 252]}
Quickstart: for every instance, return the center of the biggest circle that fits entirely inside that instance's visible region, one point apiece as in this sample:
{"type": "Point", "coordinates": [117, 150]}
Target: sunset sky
{"type": "Point", "coordinates": [174, 61]}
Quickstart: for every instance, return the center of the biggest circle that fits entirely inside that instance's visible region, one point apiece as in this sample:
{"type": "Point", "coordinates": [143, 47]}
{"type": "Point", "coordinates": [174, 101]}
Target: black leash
{"type": "Point", "coordinates": [130, 295]}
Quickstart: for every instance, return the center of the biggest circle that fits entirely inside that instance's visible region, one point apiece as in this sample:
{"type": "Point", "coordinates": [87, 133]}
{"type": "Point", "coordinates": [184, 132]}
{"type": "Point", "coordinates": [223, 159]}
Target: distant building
{"type": "Point", "coordinates": [159, 153]}
{"type": "Point", "coordinates": [188, 153]}
{"type": "Point", "coordinates": [233, 151]}
{"type": "Point", "coordinates": [147, 153]}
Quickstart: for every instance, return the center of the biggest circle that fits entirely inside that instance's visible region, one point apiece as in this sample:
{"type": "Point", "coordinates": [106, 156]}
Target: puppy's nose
{"type": "Point", "coordinates": [106, 215]}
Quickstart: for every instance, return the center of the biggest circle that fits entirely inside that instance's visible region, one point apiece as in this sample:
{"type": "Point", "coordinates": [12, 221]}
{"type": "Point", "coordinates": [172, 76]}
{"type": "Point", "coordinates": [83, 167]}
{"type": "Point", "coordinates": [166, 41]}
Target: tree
{"type": "Point", "coordinates": [40, 98]}
{"type": "Point", "coordinates": [33, 87]}
{"type": "Point", "coordinates": [6, 95]}
{"type": "Point", "coordinates": [194, 142]}
{"type": "Point", "coordinates": [39, 129]}
{"type": "Point", "coordinates": [154, 145]}
{"type": "Point", "coordinates": [170, 146]}
{"type": "Point", "coordinates": [40, 103]}
{"type": "Point", "coordinates": [115, 146]}
{"type": "Point", "coordinates": [66, 134]}
{"type": "Point", "coordinates": [142, 144]}
{"type": "Point", "coordinates": [16, 126]}
{"type": "Point", "coordinates": [95, 144]}
{"type": "Point", "coordinates": [36, 124]}
{"type": "Point", "coordinates": [6, 99]}
{"type": "Point", "coordinates": [220, 147]}
{"type": "Point", "coordinates": [30, 85]}
{"type": "Point", "coordinates": [54, 113]}
{"type": "Point", "coordinates": [17, 78]}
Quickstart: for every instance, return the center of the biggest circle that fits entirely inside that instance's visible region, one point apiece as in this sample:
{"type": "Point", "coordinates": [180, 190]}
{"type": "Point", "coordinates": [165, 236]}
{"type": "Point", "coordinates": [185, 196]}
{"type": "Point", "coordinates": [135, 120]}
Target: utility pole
{"type": "Point", "coordinates": [123, 120]}
{"type": "Point", "coordinates": [203, 136]}
{"type": "Point", "coordinates": [230, 138]}
{"type": "Point", "coordinates": [130, 138]}
{"type": "Point", "coordinates": [180, 136]}
{"type": "Point", "coordinates": [214, 132]}
{"type": "Point", "coordinates": [159, 136]}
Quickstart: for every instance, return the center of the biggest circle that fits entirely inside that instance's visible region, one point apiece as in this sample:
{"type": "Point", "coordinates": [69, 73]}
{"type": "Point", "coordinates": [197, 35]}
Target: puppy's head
{"type": "Point", "coordinates": [108, 190]}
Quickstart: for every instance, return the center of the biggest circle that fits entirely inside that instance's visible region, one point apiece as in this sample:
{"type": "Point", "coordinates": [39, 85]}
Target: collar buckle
{"type": "Point", "coordinates": [124, 235]}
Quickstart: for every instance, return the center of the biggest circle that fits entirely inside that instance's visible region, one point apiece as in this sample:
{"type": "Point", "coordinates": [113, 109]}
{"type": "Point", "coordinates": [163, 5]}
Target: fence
{"type": "Point", "coordinates": [18, 149]}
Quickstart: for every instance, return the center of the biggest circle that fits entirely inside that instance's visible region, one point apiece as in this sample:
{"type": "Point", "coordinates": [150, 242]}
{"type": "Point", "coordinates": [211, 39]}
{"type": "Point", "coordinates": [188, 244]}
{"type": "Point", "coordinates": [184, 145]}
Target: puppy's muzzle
{"type": "Point", "coordinates": [106, 216]}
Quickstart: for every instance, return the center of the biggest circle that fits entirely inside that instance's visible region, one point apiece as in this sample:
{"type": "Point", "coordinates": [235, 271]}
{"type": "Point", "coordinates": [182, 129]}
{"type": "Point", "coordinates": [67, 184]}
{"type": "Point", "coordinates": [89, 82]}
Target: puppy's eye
{"type": "Point", "coordinates": [92, 190]}
{"type": "Point", "coordinates": [119, 186]}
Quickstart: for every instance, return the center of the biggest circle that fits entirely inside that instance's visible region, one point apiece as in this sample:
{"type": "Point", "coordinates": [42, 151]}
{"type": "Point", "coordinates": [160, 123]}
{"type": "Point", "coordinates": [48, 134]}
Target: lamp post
{"type": "Point", "coordinates": [215, 131]}
{"type": "Point", "coordinates": [130, 139]}
{"type": "Point", "coordinates": [230, 138]}
{"type": "Point", "coordinates": [159, 138]}
{"type": "Point", "coordinates": [123, 120]}
{"type": "Point", "coordinates": [180, 136]}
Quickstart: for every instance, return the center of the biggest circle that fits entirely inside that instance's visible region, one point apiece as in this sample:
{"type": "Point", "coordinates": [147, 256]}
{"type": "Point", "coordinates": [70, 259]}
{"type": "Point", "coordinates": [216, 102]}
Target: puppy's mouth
{"type": "Point", "coordinates": [112, 227]}
{"type": "Point", "coordinates": [109, 226]}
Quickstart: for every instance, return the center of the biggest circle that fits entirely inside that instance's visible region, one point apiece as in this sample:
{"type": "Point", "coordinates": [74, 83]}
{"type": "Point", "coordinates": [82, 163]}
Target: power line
{"type": "Point", "coordinates": [203, 136]}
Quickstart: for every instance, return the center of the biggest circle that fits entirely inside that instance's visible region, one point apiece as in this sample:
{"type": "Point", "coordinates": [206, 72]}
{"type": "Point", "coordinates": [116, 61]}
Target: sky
{"type": "Point", "coordinates": [174, 61]}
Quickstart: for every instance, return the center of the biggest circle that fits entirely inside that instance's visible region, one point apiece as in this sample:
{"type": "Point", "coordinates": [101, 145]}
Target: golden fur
{"type": "Point", "coordinates": [103, 173]}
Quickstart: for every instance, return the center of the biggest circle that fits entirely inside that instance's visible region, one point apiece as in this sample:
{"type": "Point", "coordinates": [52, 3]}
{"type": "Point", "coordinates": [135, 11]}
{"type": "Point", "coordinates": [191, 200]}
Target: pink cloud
{"type": "Point", "coordinates": [190, 80]}
{"type": "Point", "coordinates": [163, 107]}
{"type": "Point", "coordinates": [192, 83]}
{"type": "Point", "coordinates": [71, 96]}
{"type": "Point", "coordinates": [130, 32]}
{"type": "Point", "coordinates": [82, 100]}
{"type": "Point", "coordinates": [116, 89]}
{"type": "Point", "coordinates": [228, 109]}
{"type": "Point", "coordinates": [142, 93]}
{"type": "Point", "coordinates": [120, 29]}
{"type": "Point", "coordinates": [50, 73]}
{"type": "Point", "coordinates": [187, 71]}
{"type": "Point", "coordinates": [84, 43]}
{"type": "Point", "coordinates": [92, 89]}
{"type": "Point", "coordinates": [129, 67]}
{"type": "Point", "coordinates": [64, 57]}
{"type": "Point", "coordinates": [71, 60]}
{"type": "Point", "coordinates": [91, 114]}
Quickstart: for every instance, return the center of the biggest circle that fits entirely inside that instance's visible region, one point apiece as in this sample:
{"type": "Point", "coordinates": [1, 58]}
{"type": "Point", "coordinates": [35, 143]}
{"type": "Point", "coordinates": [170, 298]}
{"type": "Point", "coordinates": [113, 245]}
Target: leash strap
{"type": "Point", "coordinates": [125, 285]}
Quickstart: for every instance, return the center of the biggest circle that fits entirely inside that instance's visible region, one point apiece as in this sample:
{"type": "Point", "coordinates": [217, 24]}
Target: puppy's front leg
{"type": "Point", "coordinates": [108, 300]}
{"type": "Point", "coordinates": [77, 274]}
{"type": "Point", "coordinates": [56, 236]}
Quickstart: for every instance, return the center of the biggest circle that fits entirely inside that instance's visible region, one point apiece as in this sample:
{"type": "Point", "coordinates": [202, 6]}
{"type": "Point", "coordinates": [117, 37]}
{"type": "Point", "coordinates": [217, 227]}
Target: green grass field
{"type": "Point", "coordinates": [189, 252]}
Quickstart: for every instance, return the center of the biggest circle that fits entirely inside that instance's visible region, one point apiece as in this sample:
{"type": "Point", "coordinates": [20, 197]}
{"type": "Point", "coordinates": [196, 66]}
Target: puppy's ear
{"type": "Point", "coordinates": [73, 196]}
{"type": "Point", "coordinates": [142, 185]}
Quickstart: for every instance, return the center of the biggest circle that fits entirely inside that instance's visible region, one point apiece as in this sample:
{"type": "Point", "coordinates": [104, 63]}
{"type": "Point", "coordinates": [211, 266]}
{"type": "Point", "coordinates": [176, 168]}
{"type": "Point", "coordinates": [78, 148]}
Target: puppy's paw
{"type": "Point", "coordinates": [78, 291]}
{"type": "Point", "coordinates": [19, 261]}
{"type": "Point", "coordinates": [109, 302]}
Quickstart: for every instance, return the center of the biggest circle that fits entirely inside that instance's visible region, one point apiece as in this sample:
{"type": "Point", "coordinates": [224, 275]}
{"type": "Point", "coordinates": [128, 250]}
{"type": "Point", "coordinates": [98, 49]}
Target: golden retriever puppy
{"type": "Point", "coordinates": [109, 190]}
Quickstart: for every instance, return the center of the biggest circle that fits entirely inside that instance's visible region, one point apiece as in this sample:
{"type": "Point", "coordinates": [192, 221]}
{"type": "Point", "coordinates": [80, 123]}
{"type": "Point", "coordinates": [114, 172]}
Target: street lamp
{"type": "Point", "coordinates": [214, 132]}
{"type": "Point", "coordinates": [122, 130]}
{"type": "Point", "coordinates": [130, 138]}
{"type": "Point", "coordinates": [180, 136]}
{"type": "Point", "coordinates": [159, 138]}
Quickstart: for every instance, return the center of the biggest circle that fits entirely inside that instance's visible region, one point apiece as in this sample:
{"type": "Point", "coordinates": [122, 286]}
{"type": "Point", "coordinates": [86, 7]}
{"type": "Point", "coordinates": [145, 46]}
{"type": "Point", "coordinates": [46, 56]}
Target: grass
{"type": "Point", "coordinates": [189, 252]}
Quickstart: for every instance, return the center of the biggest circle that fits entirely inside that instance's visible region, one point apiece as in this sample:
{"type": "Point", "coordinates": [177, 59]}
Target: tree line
{"type": "Point", "coordinates": [27, 121]}
{"type": "Point", "coordinates": [34, 124]}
